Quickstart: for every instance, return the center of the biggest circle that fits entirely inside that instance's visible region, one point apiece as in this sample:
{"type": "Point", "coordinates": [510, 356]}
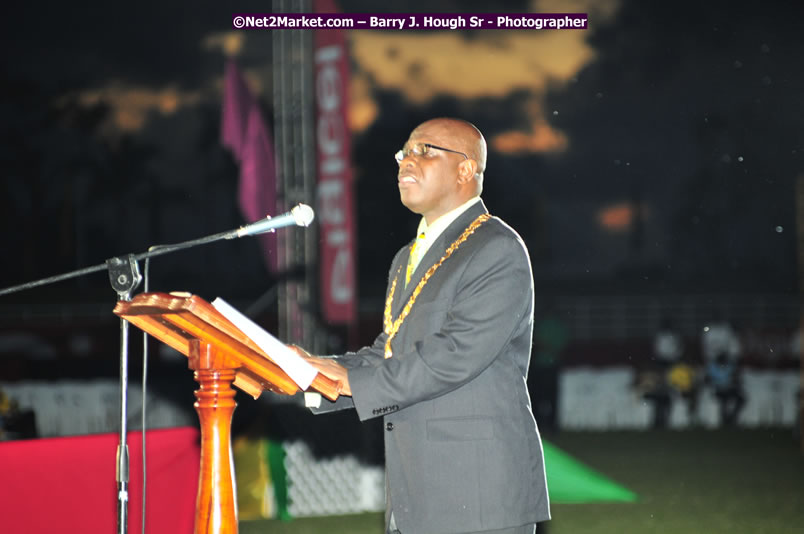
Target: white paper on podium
{"type": "Point", "coordinates": [301, 372]}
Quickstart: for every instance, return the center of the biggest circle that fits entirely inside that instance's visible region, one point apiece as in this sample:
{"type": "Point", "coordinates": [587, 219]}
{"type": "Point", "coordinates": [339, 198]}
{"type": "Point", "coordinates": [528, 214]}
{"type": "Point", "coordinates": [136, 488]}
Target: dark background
{"type": "Point", "coordinates": [685, 127]}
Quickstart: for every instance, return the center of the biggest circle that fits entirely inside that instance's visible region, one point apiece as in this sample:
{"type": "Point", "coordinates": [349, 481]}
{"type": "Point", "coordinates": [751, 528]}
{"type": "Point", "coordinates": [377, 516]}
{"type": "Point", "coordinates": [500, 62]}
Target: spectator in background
{"type": "Point", "coordinates": [682, 378]}
{"type": "Point", "coordinates": [721, 350]}
{"type": "Point", "coordinates": [650, 384]}
{"type": "Point", "coordinates": [668, 346]}
{"type": "Point", "coordinates": [15, 423]}
{"type": "Point", "coordinates": [651, 380]}
{"type": "Point", "coordinates": [550, 338]}
{"type": "Point", "coordinates": [723, 375]}
{"type": "Point", "coordinates": [677, 375]}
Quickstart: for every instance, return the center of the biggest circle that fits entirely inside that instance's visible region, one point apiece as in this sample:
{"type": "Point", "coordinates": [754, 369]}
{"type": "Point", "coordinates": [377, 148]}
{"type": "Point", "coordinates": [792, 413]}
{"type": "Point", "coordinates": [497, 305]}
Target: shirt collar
{"type": "Point", "coordinates": [438, 226]}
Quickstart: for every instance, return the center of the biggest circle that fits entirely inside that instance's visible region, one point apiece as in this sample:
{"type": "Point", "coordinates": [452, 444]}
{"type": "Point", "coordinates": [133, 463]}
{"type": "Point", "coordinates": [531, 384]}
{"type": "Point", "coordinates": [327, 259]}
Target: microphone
{"type": "Point", "coordinates": [301, 215]}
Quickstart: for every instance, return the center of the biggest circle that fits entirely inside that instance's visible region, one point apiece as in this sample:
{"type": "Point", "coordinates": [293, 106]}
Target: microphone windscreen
{"type": "Point", "coordinates": [303, 214]}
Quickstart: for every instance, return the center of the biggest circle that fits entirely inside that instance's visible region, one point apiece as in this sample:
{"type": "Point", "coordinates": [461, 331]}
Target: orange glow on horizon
{"type": "Point", "coordinates": [617, 218]}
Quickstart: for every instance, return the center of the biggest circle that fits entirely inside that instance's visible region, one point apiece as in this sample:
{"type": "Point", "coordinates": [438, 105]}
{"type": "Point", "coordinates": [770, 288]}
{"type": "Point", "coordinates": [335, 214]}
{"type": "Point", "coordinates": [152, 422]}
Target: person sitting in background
{"type": "Point", "coordinates": [668, 346]}
{"type": "Point", "coordinates": [651, 386]}
{"type": "Point", "coordinates": [653, 380]}
{"type": "Point", "coordinates": [14, 422]}
{"type": "Point", "coordinates": [682, 377]}
{"type": "Point", "coordinates": [723, 375]}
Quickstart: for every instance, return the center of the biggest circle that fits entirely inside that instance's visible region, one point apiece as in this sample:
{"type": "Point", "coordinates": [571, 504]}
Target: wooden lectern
{"type": "Point", "coordinates": [220, 355]}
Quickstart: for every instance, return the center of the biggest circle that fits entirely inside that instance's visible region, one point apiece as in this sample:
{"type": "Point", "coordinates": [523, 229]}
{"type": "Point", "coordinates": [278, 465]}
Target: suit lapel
{"type": "Point", "coordinates": [434, 253]}
{"type": "Point", "coordinates": [399, 273]}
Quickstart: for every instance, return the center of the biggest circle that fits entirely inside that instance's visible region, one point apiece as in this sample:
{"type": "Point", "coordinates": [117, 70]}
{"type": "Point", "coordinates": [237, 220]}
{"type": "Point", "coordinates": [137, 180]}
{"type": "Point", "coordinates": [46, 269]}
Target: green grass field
{"type": "Point", "coordinates": [707, 482]}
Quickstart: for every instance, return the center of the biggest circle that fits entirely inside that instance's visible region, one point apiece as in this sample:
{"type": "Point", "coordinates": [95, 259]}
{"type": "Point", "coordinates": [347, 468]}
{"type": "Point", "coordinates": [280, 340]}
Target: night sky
{"type": "Point", "coordinates": [655, 152]}
{"type": "Point", "coordinates": [652, 159]}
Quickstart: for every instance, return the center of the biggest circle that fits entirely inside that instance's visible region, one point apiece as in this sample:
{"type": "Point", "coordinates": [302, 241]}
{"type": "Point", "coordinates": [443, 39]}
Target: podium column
{"type": "Point", "coordinates": [216, 506]}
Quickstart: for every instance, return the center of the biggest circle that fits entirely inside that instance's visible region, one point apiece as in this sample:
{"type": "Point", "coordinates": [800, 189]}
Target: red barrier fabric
{"type": "Point", "coordinates": [68, 484]}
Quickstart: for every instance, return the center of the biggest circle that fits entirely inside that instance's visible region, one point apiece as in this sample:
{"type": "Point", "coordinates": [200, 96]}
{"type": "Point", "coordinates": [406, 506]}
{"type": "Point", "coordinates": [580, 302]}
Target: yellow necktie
{"type": "Point", "coordinates": [413, 259]}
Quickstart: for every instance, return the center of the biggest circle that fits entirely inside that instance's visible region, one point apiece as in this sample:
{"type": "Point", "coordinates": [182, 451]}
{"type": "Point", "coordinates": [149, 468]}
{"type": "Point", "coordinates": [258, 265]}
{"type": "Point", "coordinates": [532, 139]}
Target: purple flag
{"type": "Point", "coordinates": [244, 132]}
{"type": "Point", "coordinates": [257, 193]}
{"type": "Point", "coordinates": [237, 101]}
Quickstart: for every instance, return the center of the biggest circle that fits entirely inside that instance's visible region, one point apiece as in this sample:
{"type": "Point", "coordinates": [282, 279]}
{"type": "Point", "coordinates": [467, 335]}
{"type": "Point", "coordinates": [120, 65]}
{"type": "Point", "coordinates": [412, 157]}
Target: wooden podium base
{"type": "Point", "coordinates": [220, 355]}
{"type": "Point", "coordinates": [216, 505]}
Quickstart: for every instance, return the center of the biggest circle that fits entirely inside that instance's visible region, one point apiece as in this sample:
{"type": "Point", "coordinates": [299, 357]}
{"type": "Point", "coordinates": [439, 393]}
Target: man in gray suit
{"type": "Point", "coordinates": [448, 373]}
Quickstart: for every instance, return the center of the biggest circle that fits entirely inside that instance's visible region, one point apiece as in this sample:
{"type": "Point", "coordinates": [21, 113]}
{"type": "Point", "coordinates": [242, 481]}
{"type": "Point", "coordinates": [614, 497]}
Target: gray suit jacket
{"type": "Point", "coordinates": [462, 449]}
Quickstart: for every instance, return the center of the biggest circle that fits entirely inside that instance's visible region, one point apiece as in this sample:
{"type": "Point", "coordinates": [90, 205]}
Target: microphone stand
{"type": "Point", "coordinates": [124, 275]}
{"type": "Point", "coordinates": [164, 249]}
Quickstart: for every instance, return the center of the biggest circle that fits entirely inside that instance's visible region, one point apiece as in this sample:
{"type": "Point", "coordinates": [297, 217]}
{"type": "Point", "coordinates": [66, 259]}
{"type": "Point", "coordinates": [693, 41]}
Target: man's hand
{"type": "Point", "coordinates": [334, 371]}
{"type": "Point", "coordinates": [327, 367]}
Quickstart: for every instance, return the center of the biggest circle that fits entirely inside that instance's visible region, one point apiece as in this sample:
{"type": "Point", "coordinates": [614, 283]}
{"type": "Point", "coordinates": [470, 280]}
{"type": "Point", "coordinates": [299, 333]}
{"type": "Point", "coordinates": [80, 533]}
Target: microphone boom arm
{"type": "Point", "coordinates": [301, 215]}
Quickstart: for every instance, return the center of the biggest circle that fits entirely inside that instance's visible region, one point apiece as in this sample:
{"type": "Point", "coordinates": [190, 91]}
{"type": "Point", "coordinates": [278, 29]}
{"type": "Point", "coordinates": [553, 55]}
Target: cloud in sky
{"type": "Point", "coordinates": [619, 217]}
{"type": "Point", "coordinates": [493, 64]}
{"type": "Point", "coordinates": [485, 64]}
{"type": "Point", "coordinates": [541, 138]}
{"type": "Point", "coordinates": [131, 105]}
{"type": "Point", "coordinates": [230, 43]}
{"type": "Point", "coordinates": [421, 66]}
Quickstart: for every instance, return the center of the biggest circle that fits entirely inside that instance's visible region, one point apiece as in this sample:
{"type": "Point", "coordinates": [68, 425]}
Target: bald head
{"type": "Point", "coordinates": [459, 135]}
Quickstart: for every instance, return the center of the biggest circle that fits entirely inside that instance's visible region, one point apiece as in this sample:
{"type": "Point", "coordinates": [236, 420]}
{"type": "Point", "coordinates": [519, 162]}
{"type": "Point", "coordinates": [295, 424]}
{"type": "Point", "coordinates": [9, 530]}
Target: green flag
{"type": "Point", "coordinates": [569, 481]}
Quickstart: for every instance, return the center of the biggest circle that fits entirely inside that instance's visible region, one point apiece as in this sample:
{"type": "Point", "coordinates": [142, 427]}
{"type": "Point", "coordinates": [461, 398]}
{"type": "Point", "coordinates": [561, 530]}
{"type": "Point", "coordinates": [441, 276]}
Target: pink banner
{"type": "Point", "coordinates": [244, 132]}
{"type": "Point", "coordinates": [68, 484]}
{"type": "Point", "coordinates": [257, 193]}
{"type": "Point", "coordinates": [335, 210]}
{"type": "Point", "coordinates": [237, 100]}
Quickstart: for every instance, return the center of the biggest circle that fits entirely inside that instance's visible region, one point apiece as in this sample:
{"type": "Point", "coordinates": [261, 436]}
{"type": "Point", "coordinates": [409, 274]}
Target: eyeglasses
{"type": "Point", "coordinates": [423, 150]}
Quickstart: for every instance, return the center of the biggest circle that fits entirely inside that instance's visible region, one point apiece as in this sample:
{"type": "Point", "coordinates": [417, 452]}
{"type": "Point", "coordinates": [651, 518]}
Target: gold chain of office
{"type": "Point", "coordinates": [390, 326]}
